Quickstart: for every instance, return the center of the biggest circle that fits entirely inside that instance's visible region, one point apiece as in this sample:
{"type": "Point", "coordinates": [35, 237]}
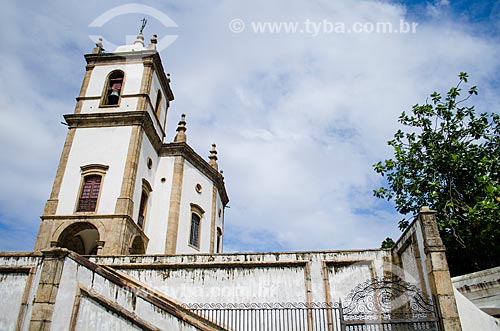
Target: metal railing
{"type": "Point", "coordinates": [271, 316]}
{"type": "Point", "coordinates": [378, 304]}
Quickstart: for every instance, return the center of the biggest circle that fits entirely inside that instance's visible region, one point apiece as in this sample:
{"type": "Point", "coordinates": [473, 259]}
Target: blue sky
{"type": "Point", "coordinates": [298, 119]}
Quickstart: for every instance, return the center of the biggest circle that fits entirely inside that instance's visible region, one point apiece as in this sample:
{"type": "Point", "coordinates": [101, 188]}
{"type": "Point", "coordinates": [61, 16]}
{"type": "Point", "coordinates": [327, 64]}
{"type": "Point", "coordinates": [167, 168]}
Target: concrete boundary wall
{"type": "Point", "coordinates": [64, 291]}
{"type": "Point", "coordinates": [254, 277]}
{"type": "Point", "coordinates": [57, 289]}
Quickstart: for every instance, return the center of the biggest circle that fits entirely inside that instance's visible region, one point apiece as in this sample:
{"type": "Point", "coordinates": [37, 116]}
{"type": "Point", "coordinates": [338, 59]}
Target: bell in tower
{"type": "Point", "coordinates": [114, 88]}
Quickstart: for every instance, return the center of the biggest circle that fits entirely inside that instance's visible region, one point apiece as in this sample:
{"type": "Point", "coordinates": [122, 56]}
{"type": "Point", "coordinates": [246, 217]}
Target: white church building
{"type": "Point", "coordinates": [131, 237]}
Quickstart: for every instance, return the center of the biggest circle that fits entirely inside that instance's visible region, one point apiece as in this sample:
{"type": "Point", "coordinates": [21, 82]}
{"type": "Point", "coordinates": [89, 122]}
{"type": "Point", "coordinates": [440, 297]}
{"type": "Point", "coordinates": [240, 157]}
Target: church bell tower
{"type": "Point", "coordinates": [119, 189]}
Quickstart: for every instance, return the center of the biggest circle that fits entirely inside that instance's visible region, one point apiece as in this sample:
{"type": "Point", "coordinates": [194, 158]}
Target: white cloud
{"type": "Point", "coordinates": [298, 120]}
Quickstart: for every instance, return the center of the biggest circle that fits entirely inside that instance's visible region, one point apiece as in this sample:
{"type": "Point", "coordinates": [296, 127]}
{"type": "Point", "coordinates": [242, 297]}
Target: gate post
{"type": "Point", "coordinates": [438, 273]}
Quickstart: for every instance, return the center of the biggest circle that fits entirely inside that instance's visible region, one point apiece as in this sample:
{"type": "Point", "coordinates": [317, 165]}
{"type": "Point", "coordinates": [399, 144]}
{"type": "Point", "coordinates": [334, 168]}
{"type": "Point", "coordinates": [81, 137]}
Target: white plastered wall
{"type": "Point", "coordinates": [156, 220]}
{"type": "Point", "coordinates": [143, 172]}
{"type": "Point", "coordinates": [159, 203]}
{"type": "Point", "coordinates": [93, 316]}
{"type": "Point", "coordinates": [132, 84]}
{"type": "Point", "coordinates": [219, 221]}
{"type": "Point", "coordinates": [153, 94]}
{"type": "Point", "coordinates": [107, 146]}
{"type": "Point", "coordinates": [472, 318]}
{"type": "Point", "coordinates": [255, 277]}
{"type": "Point", "coordinates": [12, 289]}
{"type": "Point", "coordinates": [193, 176]}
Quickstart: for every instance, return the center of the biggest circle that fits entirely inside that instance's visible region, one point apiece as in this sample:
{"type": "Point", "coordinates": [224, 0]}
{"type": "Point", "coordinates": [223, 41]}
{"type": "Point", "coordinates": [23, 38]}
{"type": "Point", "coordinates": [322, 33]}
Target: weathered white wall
{"type": "Point", "coordinates": [89, 314]}
{"type": "Point", "coordinates": [253, 277]}
{"type": "Point", "coordinates": [92, 316]}
{"type": "Point", "coordinates": [13, 287]}
{"type": "Point", "coordinates": [228, 284]}
{"type": "Point", "coordinates": [410, 266]}
{"type": "Point", "coordinates": [205, 278]}
{"type": "Point", "coordinates": [411, 252]}
{"type": "Point", "coordinates": [107, 146]}
{"type": "Point", "coordinates": [343, 277]}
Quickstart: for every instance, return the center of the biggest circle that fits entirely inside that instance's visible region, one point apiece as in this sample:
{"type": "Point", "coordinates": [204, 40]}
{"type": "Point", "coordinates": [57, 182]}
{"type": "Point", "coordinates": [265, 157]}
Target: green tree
{"type": "Point", "coordinates": [448, 158]}
{"type": "Point", "coordinates": [387, 243]}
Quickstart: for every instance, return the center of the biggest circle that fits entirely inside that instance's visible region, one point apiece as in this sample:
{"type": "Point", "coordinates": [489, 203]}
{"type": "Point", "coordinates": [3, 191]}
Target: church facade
{"type": "Point", "coordinates": [131, 236]}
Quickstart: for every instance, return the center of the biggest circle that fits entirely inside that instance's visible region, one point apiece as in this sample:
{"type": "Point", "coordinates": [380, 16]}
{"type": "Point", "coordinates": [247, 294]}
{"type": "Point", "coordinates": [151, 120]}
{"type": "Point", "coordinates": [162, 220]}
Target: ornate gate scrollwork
{"type": "Point", "coordinates": [388, 301]}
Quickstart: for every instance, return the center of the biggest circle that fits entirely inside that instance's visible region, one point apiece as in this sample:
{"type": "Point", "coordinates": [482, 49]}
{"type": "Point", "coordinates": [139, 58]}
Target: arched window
{"type": "Point", "coordinates": [158, 103]}
{"type": "Point", "coordinates": [195, 232]}
{"type": "Point", "coordinates": [92, 176]}
{"type": "Point", "coordinates": [143, 206]}
{"type": "Point", "coordinates": [219, 240]}
{"type": "Point", "coordinates": [89, 193]}
{"type": "Point", "coordinates": [194, 236]}
{"type": "Point", "coordinates": [113, 88]}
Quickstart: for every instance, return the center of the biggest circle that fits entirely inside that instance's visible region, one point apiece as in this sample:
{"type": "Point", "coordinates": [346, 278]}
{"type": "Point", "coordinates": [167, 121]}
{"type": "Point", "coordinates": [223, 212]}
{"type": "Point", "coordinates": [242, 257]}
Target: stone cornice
{"type": "Point", "coordinates": [147, 57]}
{"type": "Point", "coordinates": [184, 150]}
{"type": "Point", "coordinates": [121, 118]}
{"type": "Point", "coordinates": [124, 96]}
{"type": "Point", "coordinates": [83, 217]}
{"type": "Point", "coordinates": [219, 265]}
{"type": "Point", "coordinates": [20, 254]}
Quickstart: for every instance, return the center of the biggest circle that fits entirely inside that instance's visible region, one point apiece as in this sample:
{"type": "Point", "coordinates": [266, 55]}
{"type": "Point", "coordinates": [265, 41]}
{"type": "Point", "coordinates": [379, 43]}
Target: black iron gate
{"type": "Point", "coordinates": [379, 304]}
{"type": "Point", "coordinates": [272, 316]}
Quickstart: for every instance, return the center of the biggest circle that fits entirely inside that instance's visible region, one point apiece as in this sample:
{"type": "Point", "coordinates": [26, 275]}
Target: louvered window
{"type": "Point", "coordinates": [90, 193]}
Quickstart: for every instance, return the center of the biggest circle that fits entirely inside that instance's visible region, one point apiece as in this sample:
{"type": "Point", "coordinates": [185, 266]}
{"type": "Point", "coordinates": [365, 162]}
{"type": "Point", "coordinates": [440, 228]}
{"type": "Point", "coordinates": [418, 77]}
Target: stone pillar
{"type": "Point", "coordinates": [213, 219]}
{"type": "Point", "coordinates": [45, 298]}
{"type": "Point", "coordinates": [175, 206]}
{"type": "Point", "coordinates": [147, 79]}
{"type": "Point", "coordinates": [52, 202]}
{"type": "Point", "coordinates": [438, 273]}
{"type": "Point", "coordinates": [125, 202]}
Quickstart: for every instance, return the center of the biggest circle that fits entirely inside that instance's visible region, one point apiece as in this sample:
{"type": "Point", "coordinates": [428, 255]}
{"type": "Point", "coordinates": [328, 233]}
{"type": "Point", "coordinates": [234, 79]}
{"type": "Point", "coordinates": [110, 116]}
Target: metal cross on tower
{"type": "Point", "coordinates": [144, 22]}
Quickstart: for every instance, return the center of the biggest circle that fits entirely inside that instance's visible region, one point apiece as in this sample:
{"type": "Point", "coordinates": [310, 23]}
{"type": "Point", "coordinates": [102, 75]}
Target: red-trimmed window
{"type": "Point", "coordinates": [90, 193]}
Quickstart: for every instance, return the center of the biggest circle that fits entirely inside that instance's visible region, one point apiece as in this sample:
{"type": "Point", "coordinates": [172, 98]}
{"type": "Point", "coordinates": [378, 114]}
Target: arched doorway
{"type": "Point", "coordinates": [137, 246]}
{"type": "Point", "coordinates": [80, 237]}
